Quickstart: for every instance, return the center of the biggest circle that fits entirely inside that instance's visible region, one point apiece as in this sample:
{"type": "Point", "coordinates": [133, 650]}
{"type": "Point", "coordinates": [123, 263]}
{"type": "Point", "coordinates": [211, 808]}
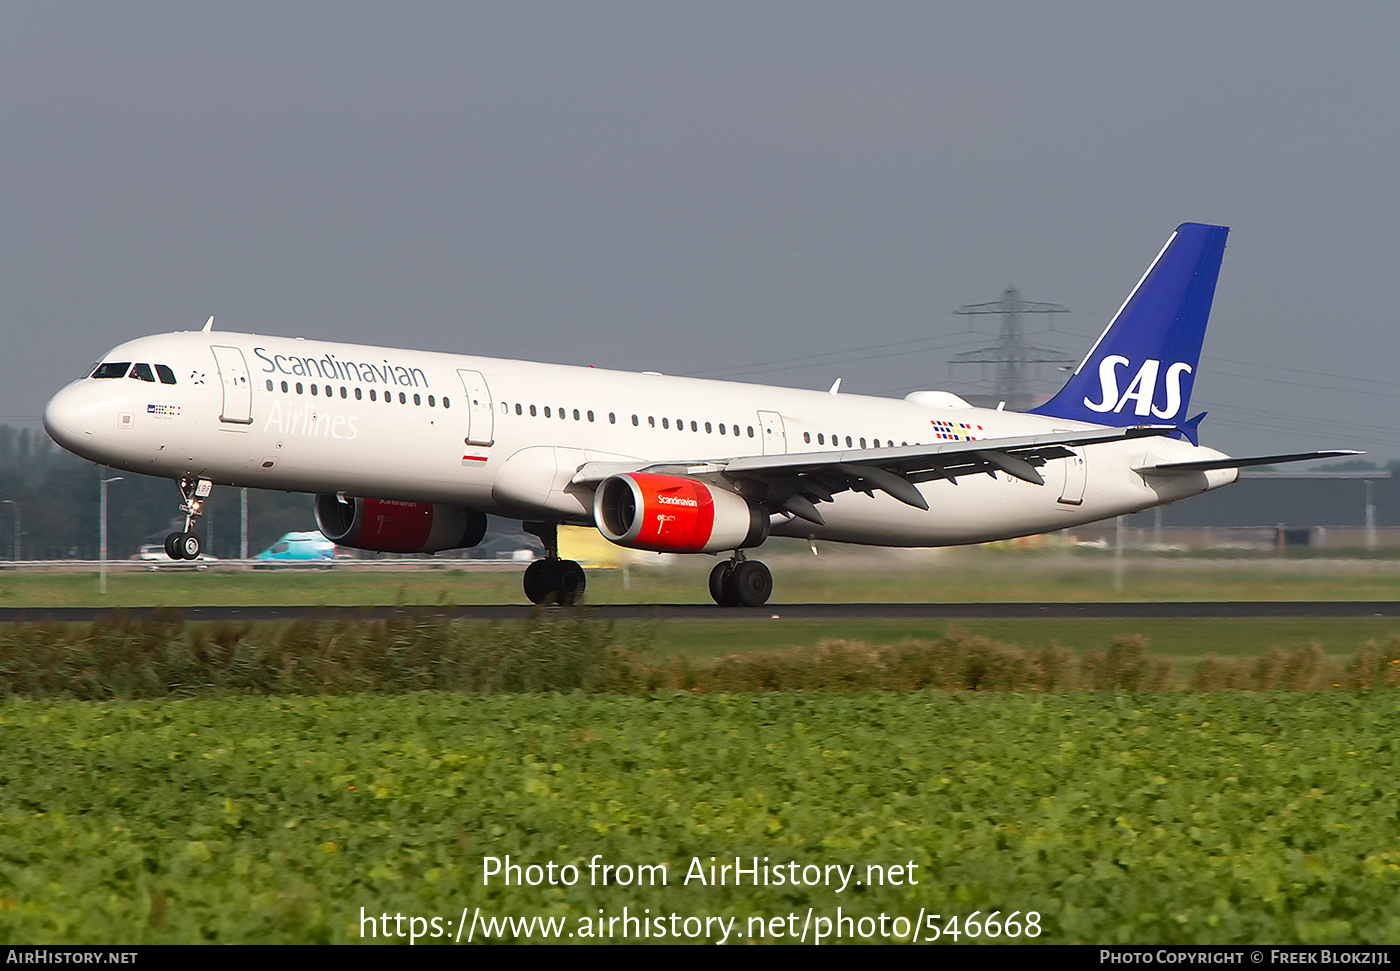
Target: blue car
{"type": "Point", "coordinates": [299, 548]}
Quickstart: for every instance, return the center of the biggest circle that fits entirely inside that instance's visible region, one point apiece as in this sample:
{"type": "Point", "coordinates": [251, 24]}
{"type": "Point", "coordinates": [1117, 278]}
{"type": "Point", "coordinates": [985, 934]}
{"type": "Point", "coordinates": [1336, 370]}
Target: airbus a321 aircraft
{"type": "Point", "coordinates": [407, 451]}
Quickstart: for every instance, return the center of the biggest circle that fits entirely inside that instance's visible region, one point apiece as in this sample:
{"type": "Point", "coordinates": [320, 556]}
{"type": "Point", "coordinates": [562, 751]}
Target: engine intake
{"type": "Point", "coordinates": [391, 526]}
{"type": "Point", "coordinates": [673, 514]}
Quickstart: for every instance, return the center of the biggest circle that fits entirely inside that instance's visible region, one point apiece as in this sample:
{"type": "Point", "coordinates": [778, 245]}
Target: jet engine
{"type": "Point", "coordinates": [391, 526]}
{"type": "Point", "coordinates": [673, 514]}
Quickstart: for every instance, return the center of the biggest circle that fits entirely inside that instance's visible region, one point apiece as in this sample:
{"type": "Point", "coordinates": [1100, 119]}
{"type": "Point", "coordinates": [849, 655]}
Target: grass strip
{"type": "Point", "coordinates": [163, 656]}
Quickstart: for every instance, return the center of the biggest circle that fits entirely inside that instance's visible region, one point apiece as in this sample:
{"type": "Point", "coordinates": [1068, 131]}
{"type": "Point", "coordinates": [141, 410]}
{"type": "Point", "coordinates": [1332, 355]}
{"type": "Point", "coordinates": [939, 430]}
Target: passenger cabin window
{"type": "Point", "coordinates": [112, 370]}
{"type": "Point", "coordinates": [167, 376]}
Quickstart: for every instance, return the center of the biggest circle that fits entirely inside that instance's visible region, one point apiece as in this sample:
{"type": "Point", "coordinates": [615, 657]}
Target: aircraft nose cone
{"type": "Point", "coordinates": [68, 418]}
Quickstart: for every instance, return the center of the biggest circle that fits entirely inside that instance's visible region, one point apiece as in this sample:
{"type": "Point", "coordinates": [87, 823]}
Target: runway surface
{"type": "Point", "coordinates": [903, 611]}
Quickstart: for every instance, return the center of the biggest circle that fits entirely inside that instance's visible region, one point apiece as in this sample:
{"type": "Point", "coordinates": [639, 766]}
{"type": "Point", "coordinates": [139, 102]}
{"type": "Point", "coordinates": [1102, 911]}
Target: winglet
{"type": "Point", "coordinates": [208, 324]}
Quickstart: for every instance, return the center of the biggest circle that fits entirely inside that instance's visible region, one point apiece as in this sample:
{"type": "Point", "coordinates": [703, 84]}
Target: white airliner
{"type": "Point", "coordinates": [408, 450]}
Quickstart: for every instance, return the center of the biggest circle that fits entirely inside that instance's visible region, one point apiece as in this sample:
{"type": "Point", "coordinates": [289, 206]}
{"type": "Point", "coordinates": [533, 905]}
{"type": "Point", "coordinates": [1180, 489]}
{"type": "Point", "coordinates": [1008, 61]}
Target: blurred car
{"type": "Point", "coordinates": [299, 548]}
{"type": "Point", "coordinates": [154, 555]}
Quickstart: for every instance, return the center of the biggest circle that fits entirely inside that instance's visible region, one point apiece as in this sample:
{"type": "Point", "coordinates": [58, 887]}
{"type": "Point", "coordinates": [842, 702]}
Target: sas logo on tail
{"type": "Point", "coordinates": [1141, 390]}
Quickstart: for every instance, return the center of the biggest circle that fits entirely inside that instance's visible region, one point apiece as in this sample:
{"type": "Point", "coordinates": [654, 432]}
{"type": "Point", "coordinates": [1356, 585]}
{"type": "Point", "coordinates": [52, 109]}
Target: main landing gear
{"type": "Point", "coordinates": [552, 581]}
{"type": "Point", "coordinates": [741, 582]}
{"type": "Point", "coordinates": [185, 545]}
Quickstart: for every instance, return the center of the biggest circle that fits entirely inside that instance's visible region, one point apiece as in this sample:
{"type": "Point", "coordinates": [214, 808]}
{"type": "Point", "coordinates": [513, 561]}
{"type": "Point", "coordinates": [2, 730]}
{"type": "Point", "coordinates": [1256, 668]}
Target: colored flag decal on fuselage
{"type": "Point", "coordinates": [955, 431]}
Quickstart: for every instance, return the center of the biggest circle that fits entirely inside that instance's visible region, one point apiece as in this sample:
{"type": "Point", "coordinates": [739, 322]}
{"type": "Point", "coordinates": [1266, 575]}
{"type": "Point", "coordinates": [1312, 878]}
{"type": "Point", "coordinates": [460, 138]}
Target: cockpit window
{"type": "Point", "coordinates": [111, 370]}
{"type": "Point", "coordinates": [142, 372]}
{"type": "Point", "coordinates": [167, 376]}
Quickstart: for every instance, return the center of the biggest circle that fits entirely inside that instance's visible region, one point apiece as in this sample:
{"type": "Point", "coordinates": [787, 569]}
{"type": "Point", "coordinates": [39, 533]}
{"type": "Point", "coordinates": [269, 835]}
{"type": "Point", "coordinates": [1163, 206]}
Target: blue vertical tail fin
{"type": "Point", "coordinates": [1143, 366]}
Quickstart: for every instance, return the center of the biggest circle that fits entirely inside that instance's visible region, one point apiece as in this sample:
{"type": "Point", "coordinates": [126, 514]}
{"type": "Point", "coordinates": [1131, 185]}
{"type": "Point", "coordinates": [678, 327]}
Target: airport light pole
{"type": "Point", "coordinates": [102, 550]}
{"type": "Point", "coordinates": [11, 502]}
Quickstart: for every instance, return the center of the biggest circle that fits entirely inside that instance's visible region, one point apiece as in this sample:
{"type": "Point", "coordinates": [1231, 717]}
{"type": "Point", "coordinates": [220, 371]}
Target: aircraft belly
{"type": "Point", "coordinates": [970, 512]}
{"type": "Point", "coordinates": [982, 509]}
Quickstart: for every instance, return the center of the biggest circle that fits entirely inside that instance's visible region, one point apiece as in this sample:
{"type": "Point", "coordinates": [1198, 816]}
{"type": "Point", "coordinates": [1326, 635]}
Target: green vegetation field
{"type": "Point", "coordinates": [1236, 817]}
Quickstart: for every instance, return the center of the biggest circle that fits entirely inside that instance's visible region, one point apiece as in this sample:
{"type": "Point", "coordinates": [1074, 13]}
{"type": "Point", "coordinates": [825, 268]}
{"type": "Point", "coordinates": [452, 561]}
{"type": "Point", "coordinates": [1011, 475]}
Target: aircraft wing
{"type": "Point", "coordinates": [1171, 468]}
{"type": "Point", "coordinates": [795, 482]}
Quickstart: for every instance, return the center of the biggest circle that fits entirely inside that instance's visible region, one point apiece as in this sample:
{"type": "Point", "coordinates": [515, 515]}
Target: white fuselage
{"type": "Point", "coordinates": [507, 437]}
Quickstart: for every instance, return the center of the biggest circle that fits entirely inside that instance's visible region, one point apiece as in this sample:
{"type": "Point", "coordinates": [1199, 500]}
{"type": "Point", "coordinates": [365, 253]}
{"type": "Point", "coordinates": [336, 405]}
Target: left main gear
{"type": "Point", "coordinates": [741, 583]}
{"type": "Point", "coordinates": [554, 582]}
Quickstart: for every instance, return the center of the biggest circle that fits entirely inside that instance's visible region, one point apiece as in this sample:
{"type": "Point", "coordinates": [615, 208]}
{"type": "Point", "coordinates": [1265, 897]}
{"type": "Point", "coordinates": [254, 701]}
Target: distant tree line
{"type": "Point", "coordinates": [58, 498]}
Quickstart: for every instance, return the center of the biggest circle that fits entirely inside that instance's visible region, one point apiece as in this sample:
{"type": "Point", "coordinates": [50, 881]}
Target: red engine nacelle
{"type": "Point", "coordinates": [390, 526]}
{"type": "Point", "coordinates": [673, 514]}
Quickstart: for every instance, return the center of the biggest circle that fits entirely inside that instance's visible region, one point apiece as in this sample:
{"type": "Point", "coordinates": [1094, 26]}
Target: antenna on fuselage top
{"type": "Point", "coordinates": [209, 324]}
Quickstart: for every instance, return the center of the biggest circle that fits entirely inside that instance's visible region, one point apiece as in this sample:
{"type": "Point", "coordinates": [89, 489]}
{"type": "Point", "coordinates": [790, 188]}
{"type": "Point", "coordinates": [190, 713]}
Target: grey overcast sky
{"type": "Point", "coordinates": [775, 192]}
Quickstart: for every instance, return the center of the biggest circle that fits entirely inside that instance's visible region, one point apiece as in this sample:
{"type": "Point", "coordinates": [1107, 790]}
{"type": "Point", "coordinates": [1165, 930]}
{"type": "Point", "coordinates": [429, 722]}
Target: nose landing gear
{"type": "Point", "coordinates": [185, 545]}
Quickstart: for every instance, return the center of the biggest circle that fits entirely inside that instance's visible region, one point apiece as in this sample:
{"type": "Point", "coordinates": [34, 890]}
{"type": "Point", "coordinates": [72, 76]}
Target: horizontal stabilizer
{"type": "Point", "coordinates": [1167, 468]}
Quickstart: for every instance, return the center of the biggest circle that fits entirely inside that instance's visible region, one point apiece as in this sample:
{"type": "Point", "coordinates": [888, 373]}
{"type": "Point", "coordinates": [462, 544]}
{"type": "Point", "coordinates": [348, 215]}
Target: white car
{"type": "Point", "coordinates": [155, 555]}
